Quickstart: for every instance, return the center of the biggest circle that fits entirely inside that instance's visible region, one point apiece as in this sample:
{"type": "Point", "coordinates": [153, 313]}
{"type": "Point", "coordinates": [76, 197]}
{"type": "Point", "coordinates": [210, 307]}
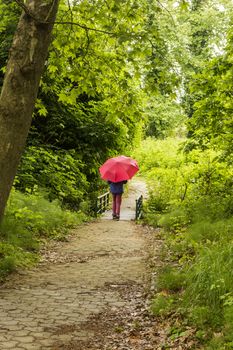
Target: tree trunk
{"type": "Point", "coordinates": [20, 87]}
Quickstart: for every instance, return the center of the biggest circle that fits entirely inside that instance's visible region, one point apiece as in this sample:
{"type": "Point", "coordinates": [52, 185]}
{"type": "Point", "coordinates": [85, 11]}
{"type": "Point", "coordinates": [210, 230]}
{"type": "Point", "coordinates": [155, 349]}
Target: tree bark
{"type": "Point", "coordinates": [20, 87]}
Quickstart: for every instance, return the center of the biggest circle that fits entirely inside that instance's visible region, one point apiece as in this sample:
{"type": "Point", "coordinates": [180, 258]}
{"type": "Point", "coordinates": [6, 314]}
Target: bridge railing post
{"type": "Point", "coordinates": [139, 206]}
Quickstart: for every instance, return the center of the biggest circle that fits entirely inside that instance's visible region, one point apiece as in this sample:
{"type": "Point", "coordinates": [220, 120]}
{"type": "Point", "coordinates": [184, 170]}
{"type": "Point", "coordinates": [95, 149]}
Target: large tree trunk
{"type": "Point", "coordinates": [24, 69]}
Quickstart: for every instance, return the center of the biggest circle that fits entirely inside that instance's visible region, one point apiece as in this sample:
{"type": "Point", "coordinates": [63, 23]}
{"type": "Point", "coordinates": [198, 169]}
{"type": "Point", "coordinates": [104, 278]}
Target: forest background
{"type": "Point", "coordinates": [153, 80]}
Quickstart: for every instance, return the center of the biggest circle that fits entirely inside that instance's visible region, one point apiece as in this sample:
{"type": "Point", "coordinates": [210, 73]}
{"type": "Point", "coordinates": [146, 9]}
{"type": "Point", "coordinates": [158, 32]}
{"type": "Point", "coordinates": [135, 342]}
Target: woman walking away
{"type": "Point", "coordinates": [117, 171]}
{"type": "Point", "coordinates": [116, 188]}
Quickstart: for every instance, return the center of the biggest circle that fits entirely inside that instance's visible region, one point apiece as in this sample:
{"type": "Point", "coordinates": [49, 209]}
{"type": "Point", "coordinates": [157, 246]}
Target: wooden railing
{"type": "Point", "coordinates": [102, 203]}
{"type": "Point", "coordinates": [139, 205]}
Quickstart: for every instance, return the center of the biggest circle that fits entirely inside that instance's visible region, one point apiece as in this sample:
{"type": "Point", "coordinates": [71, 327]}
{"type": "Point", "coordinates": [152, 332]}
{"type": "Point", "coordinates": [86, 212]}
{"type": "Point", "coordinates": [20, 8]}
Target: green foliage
{"type": "Point", "coordinates": [190, 198]}
{"type": "Point", "coordinates": [204, 231]}
{"type": "Point", "coordinates": [218, 343]}
{"type": "Point", "coordinates": [29, 220]}
{"type": "Point", "coordinates": [60, 173]}
{"type": "Point", "coordinates": [162, 304]}
{"type": "Point", "coordinates": [38, 215]}
{"type": "Point", "coordinates": [156, 154]}
{"type": "Point", "coordinates": [203, 317]}
{"type": "Point", "coordinates": [7, 265]}
{"type": "Point", "coordinates": [9, 14]}
{"type": "Point", "coordinates": [151, 217]}
{"type": "Point", "coordinates": [210, 278]}
{"type": "Point", "coordinates": [170, 279]}
{"type": "Point", "coordinates": [79, 130]}
{"type": "Point", "coordinates": [210, 208]}
{"type": "Point", "coordinates": [13, 257]}
{"type": "Point", "coordinates": [186, 186]}
{"type": "Point", "coordinates": [164, 118]}
{"type": "Point", "coordinates": [211, 122]}
{"type": "Point", "coordinates": [96, 95]}
{"type": "Point", "coordinates": [175, 219]}
{"type": "Point", "coordinates": [228, 318]}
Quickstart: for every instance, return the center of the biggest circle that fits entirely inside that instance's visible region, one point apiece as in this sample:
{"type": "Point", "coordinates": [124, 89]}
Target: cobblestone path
{"type": "Point", "coordinates": [48, 307]}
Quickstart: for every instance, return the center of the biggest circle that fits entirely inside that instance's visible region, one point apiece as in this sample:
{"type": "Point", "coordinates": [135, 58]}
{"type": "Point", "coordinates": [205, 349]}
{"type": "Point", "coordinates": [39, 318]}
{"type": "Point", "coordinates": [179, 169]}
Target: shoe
{"type": "Point", "coordinates": [117, 217]}
{"type": "Point", "coordinates": [114, 216]}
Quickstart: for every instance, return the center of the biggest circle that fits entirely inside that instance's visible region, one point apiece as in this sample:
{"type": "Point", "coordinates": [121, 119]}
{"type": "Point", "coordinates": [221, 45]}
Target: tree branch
{"type": "Point", "coordinates": [50, 10]}
{"type": "Point", "coordinates": [167, 11]}
{"type": "Point", "coordinates": [39, 21]}
{"type": "Point", "coordinates": [25, 8]}
{"type": "Point", "coordinates": [83, 27]}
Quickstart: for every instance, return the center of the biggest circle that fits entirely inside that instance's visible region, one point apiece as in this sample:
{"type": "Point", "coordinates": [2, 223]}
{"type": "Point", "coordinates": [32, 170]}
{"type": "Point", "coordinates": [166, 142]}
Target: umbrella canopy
{"type": "Point", "coordinates": [118, 169]}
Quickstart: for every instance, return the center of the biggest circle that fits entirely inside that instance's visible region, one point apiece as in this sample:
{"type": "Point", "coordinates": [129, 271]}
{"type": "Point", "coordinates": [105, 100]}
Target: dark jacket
{"type": "Point", "coordinates": [117, 187]}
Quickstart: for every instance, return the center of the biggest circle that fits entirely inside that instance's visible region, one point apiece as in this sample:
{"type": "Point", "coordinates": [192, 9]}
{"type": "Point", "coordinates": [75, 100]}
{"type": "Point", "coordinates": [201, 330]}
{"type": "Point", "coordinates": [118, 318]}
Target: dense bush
{"type": "Point", "coordinates": [59, 172]}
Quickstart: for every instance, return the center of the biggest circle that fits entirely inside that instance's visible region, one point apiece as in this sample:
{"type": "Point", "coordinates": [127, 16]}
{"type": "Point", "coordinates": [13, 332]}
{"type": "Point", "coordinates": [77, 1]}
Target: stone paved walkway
{"type": "Point", "coordinates": [46, 308]}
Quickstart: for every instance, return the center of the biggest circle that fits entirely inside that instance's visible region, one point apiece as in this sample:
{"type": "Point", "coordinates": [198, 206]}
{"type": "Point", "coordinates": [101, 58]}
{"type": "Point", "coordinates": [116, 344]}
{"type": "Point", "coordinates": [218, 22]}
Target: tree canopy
{"type": "Point", "coordinates": [118, 70]}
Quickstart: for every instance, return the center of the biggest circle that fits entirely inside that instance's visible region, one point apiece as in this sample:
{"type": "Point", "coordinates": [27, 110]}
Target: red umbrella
{"type": "Point", "coordinates": [118, 169]}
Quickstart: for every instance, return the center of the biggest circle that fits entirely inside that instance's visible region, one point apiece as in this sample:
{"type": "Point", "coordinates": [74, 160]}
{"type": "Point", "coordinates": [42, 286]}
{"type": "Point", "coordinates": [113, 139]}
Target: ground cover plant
{"type": "Point", "coordinates": [190, 200]}
{"type": "Point", "coordinates": [30, 221]}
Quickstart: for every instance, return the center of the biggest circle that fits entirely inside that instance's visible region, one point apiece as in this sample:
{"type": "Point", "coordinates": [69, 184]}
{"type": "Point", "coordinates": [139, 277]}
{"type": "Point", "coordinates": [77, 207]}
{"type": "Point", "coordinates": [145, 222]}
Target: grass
{"type": "Point", "coordinates": [203, 285]}
{"type": "Point", "coordinates": [162, 304]}
{"type": "Point", "coordinates": [31, 219]}
{"type": "Point", "coordinates": [191, 202]}
{"type": "Point", "coordinates": [171, 279]}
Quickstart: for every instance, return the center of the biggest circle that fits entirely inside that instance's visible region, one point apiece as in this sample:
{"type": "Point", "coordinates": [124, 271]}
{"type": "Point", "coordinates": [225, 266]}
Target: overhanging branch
{"type": "Point", "coordinates": [39, 21]}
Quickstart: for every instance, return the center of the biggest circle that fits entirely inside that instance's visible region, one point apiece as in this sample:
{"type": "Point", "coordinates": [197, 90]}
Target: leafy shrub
{"type": "Point", "coordinates": [36, 214]}
{"type": "Point", "coordinates": [209, 208]}
{"type": "Point", "coordinates": [18, 234]}
{"type": "Point", "coordinates": [181, 248]}
{"type": "Point", "coordinates": [60, 172]}
{"type": "Point", "coordinates": [175, 219]}
{"type": "Point", "coordinates": [157, 203]}
{"type": "Point", "coordinates": [199, 181]}
{"type": "Point", "coordinates": [158, 154]}
{"type": "Point", "coordinates": [149, 216]}
{"type": "Point", "coordinates": [164, 116]}
{"type": "Point", "coordinates": [203, 231]}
